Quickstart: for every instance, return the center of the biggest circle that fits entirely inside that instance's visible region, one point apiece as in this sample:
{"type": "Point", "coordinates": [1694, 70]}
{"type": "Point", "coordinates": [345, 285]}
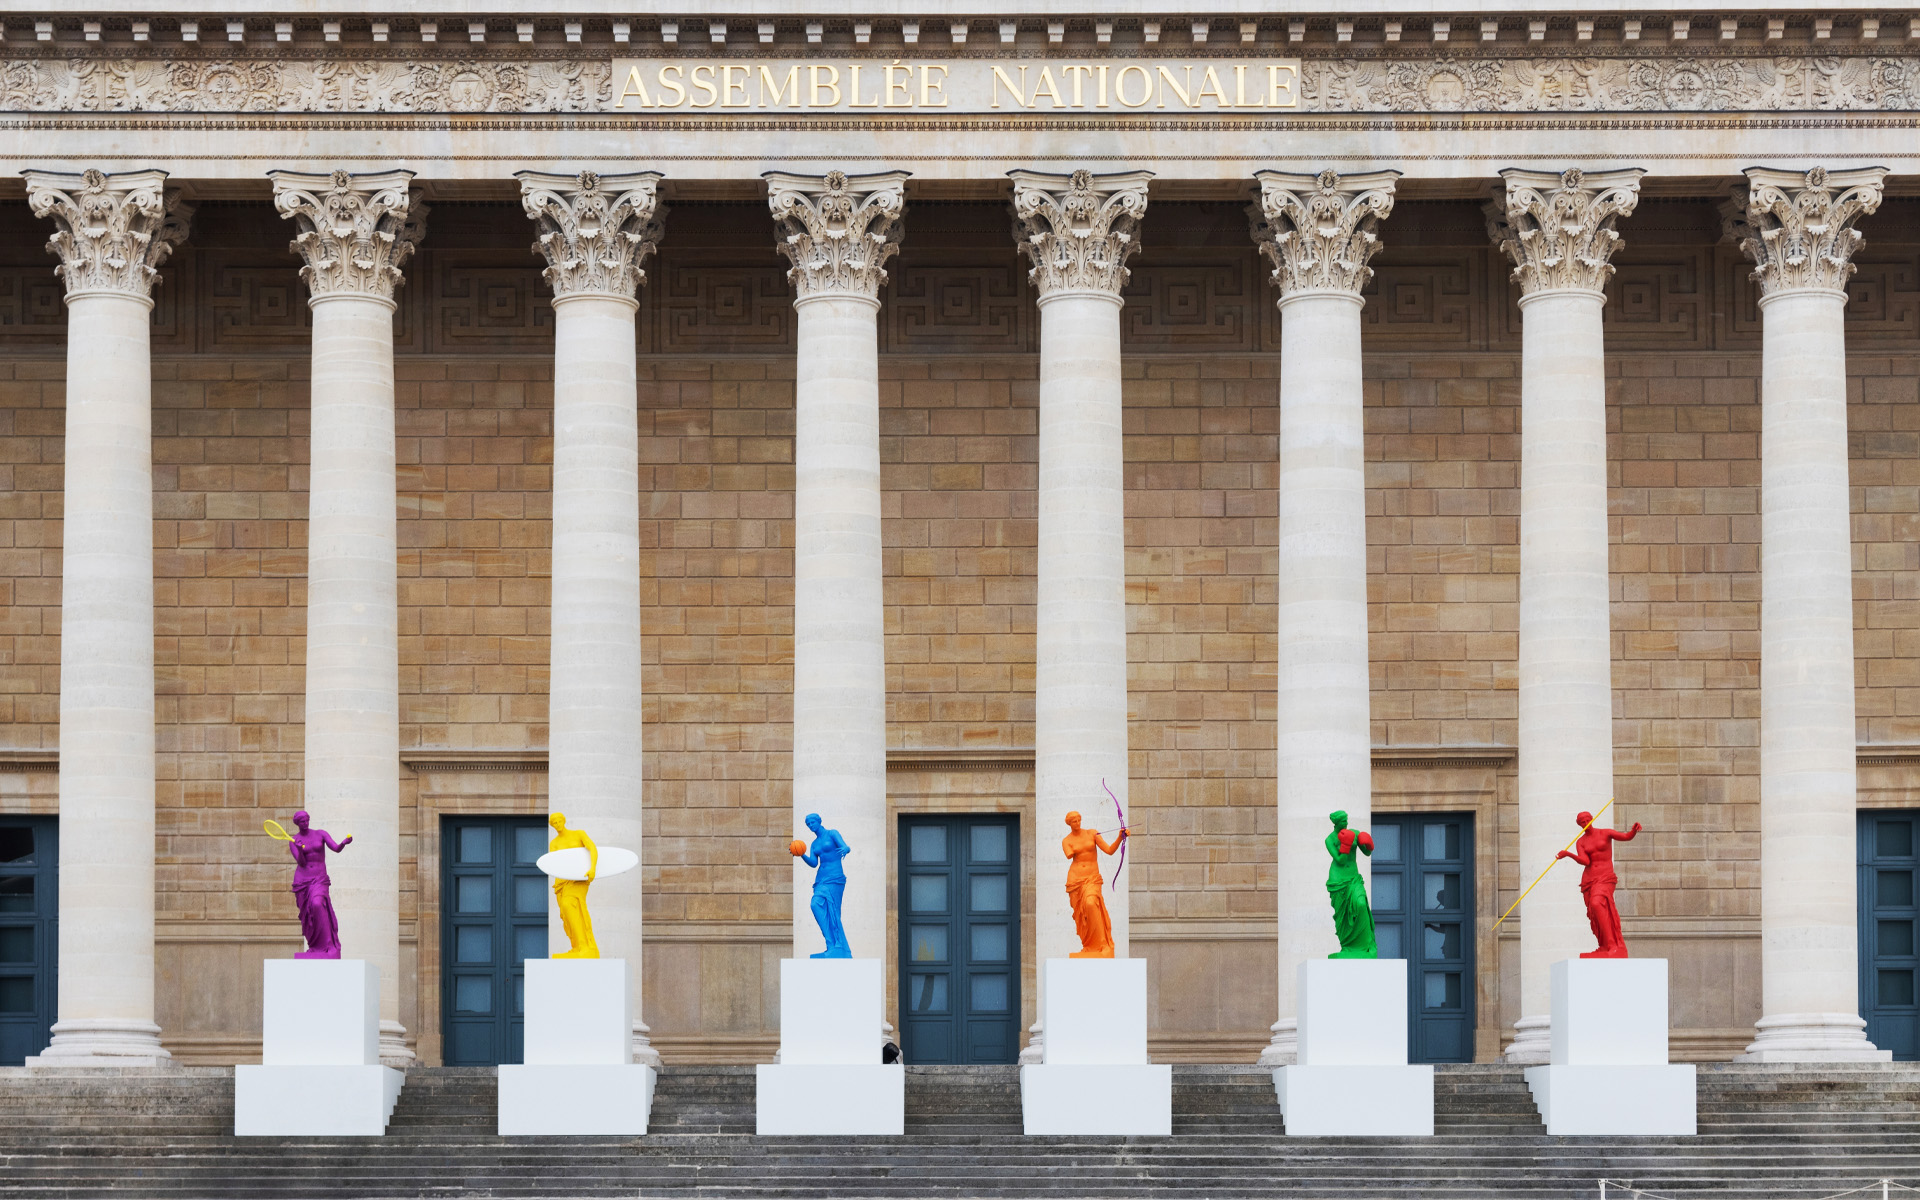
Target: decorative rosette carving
{"type": "Point", "coordinates": [1318, 230]}
{"type": "Point", "coordinates": [356, 231]}
{"type": "Point", "coordinates": [596, 230]}
{"type": "Point", "coordinates": [1558, 229]}
{"type": "Point", "coordinates": [1078, 230]}
{"type": "Point", "coordinates": [112, 232]}
{"type": "Point", "coordinates": [838, 230]}
{"type": "Point", "coordinates": [1798, 227]}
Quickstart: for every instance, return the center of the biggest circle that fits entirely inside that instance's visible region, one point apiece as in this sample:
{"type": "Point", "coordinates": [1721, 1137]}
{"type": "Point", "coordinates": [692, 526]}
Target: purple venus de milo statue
{"type": "Point", "coordinates": [312, 890]}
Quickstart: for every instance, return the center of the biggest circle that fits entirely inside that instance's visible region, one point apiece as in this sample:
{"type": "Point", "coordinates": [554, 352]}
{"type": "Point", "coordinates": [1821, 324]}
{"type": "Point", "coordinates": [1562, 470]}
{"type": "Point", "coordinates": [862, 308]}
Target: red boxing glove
{"type": "Point", "coordinates": [1366, 842]}
{"type": "Point", "coordinates": [1346, 841]}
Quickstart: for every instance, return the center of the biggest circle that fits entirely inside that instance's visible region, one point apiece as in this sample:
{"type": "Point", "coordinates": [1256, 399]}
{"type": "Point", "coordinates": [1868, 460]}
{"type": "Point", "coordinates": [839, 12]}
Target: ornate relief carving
{"type": "Point", "coordinates": [596, 230]}
{"type": "Point", "coordinates": [1798, 228]}
{"type": "Point", "coordinates": [1211, 305]}
{"type": "Point", "coordinates": [1558, 229]}
{"type": "Point", "coordinates": [1858, 82]}
{"type": "Point", "coordinates": [1078, 230]}
{"type": "Point", "coordinates": [837, 230]}
{"type": "Point", "coordinates": [356, 231]}
{"type": "Point", "coordinates": [964, 306]}
{"type": "Point", "coordinates": [112, 232]}
{"type": "Point", "coordinates": [1318, 230]}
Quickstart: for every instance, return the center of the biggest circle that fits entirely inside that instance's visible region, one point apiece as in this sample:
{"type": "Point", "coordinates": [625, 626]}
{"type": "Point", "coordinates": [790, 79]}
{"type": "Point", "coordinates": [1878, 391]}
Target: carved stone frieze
{"type": "Point", "coordinates": [1798, 227]}
{"type": "Point", "coordinates": [1318, 230]}
{"type": "Point", "coordinates": [838, 230]}
{"type": "Point", "coordinates": [1413, 82]}
{"type": "Point", "coordinates": [1078, 230]}
{"type": "Point", "coordinates": [1558, 229]}
{"type": "Point", "coordinates": [596, 230]}
{"type": "Point", "coordinates": [112, 231]}
{"type": "Point", "coordinates": [356, 231]}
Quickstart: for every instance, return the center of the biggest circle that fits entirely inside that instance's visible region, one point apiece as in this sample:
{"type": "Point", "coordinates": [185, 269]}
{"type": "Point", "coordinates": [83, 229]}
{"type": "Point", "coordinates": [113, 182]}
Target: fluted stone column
{"type": "Point", "coordinates": [356, 232]}
{"type": "Point", "coordinates": [838, 231]}
{"type": "Point", "coordinates": [112, 232]}
{"type": "Point", "coordinates": [1559, 231]}
{"type": "Point", "coordinates": [1078, 231]}
{"type": "Point", "coordinates": [1798, 228]}
{"type": "Point", "coordinates": [1318, 231]}
{"type": "Point", "coordinates": [595, 233]}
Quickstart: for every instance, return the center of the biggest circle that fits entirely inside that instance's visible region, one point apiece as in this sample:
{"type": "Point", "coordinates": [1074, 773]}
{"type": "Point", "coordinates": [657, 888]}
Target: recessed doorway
{"type": "Point", "coordinates": [493, 917]}
{"type": "Point", "coordinates": [1423, 912]}
{"type": "Point", "coordinates": [959, 922]}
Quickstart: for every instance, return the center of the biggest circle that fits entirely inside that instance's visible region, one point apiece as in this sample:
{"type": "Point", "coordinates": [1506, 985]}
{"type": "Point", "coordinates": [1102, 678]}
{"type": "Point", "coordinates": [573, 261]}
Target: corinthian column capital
{"type": "Point", "coordinates": [595, 230]}
{"type": "Point", "coordinates": [1558, 228]}
{"type": "Point", "coordinates": [1797, 227]}
{"type": "Point", "coordinates": [1078, 230]}
{"type": "Point", "coordinates": [112, 231]}
{"type": "Point", "coordinates": [1318, 230]}
{"type": "Point", "coordinates": [838, 230]}
{"type": "Point", "coordinates": [356, 231]}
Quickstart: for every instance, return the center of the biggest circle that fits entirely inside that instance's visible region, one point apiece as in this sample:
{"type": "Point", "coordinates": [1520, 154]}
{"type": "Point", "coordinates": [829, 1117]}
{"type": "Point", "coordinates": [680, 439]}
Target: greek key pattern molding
{"type": "Point", "coordinates": [1701, 83]}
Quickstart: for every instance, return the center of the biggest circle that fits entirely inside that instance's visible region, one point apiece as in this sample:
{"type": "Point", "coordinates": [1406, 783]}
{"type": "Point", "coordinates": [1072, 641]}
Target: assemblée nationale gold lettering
{"type": "Point", "coordinates": [1033, 87]}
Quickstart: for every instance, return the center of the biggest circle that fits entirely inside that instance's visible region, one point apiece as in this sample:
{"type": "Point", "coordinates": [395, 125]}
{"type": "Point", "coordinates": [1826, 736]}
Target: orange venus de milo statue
{"type": "Point", "coordinates": [1083, 848]}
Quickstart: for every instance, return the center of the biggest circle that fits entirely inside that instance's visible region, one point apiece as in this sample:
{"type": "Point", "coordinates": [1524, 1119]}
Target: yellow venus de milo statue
{"type": "Point", "coordinates": [573, 861]}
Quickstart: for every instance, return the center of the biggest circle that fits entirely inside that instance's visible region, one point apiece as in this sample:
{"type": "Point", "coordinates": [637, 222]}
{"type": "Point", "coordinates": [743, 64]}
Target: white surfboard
{"type": "Point", "coordinates": [572, 863]}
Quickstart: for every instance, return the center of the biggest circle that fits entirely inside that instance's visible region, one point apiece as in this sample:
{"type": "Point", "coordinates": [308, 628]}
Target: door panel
{"type": "Point", "coordinates": [1889, 843]}
{"type": "Point", "coordinates": [1423, 912]}
{"type": "Point", "coordinates": [493, 917]}
{"type": "Point", "coordinates": [29, 934]}
{"type": "Point", "coordinates": [959, 939]}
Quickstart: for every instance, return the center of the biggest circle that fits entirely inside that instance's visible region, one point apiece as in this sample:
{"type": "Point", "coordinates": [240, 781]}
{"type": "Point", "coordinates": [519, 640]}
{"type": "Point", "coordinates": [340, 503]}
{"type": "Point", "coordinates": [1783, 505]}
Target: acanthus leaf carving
{"type": "Point", "coordinates": [112, 232]}
{"type": "Point", "coordinates": [1798, 227]}
{"type": "Point", "coordinates": [838, 230]}
{"type": "Point", "coordinates": [1558, 228]}
{"type": "Point", "coordinates": [356, 231]}
{"type": "Point", "coordinates": [1318, 231]}
{"type": "Point", "coordinates": [1078, 230]}
{"type": "Point", "coordinates": [596, 231]}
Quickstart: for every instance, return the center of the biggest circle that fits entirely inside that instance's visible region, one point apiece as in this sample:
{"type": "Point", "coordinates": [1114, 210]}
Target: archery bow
{"type": "Point", "coordinates": [1121, 813]}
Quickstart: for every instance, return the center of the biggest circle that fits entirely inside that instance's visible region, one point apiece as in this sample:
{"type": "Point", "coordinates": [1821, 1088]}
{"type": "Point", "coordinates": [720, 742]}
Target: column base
{"type": "Point", "coordinates": [103, 1042]}
{"type": "Point", "coordinates": [644, 1055]}
{"type": "Point", "coordinates": [1812, 1038]}
{"type": "Point", "coordinates": [1035, 1051]}
{"type": "Point", "coordinates": [1532, 1043]}
{"type": "Point", "coordinates": [1284, 1049]}
{"type": "Point", "coordinates": [395, 1050]}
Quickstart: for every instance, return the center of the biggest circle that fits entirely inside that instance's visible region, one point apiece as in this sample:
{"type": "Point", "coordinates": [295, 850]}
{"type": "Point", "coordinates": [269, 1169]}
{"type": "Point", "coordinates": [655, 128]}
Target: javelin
{"type": "Point", "coordinates": [1556, 858]}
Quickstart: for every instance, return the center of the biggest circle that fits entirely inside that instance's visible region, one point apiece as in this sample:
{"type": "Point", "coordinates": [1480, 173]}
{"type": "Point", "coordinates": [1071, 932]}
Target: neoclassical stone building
{"type": "Point", "coordinates": [1227, 417]}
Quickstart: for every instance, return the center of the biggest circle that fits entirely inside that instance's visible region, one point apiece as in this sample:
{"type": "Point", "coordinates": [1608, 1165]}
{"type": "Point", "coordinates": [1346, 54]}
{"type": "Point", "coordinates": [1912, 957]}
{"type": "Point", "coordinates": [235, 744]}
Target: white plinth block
{"type": "Point", "coordinates": [320, 1072]}
{"type": "Point", "coordinates": [830, 1080]}
{"type": "Point", "coordinates": [579, 1076]}
{"type": "Point", "coordinates": [1094, 1077]}
{"type": "Point", "coordinates": [1353, 1079]}
{"type": "Point", "coordinates": [1609, 1073]}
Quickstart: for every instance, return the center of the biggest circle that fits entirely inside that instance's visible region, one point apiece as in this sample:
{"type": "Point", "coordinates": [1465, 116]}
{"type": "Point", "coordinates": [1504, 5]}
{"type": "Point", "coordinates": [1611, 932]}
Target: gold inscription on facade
{"type": "Point", "coordinates": [956, 85]}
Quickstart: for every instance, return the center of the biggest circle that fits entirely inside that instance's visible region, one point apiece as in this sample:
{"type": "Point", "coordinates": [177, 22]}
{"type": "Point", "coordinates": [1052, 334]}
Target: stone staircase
{"type": "Point", "coordinates": [1765, 1132]}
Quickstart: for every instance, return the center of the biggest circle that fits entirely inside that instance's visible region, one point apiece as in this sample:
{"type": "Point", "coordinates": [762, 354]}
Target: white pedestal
{"type": "Point", "coordinates": [579, 1076]}
{"type": "Point", "coordinates": [320, 1072]}
{"type": "Point", "coordinates": [1353, 1079]}
{"type": "Point", "coordinates": [830, 1080]}
{"type": "Point", "coordinates": [1609, 1073]}
{"type": "Point", "coordinates": [1094, 1077]}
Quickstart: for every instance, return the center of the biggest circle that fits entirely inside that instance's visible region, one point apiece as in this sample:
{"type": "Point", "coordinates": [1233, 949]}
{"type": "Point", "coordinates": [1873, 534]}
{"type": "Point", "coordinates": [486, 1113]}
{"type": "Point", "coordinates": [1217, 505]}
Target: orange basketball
{"type": "Point", "coordinates": [796, 847]}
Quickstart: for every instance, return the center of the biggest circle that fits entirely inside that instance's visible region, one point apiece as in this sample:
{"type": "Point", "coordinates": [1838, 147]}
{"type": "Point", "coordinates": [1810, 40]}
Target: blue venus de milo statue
{"type": "Point", "coordinates": [829, 883]}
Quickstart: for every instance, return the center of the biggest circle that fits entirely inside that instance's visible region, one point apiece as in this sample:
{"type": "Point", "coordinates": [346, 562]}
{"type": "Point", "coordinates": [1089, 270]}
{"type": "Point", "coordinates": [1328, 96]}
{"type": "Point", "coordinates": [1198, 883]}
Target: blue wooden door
{"type": "Point", "coordinates": [959, 913]}
{"type": "Point", "coordinates": [493, 917]}
{"type": "Point", "coordinates": [1423, 912]}
{"type": "Point", "coordinates": [29, 941]}
{"type": "Point", "coordinates": [1888, 843]}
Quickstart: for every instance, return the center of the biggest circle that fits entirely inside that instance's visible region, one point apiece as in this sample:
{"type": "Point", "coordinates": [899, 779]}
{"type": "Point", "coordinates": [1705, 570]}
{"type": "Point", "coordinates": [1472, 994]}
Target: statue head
{"type": "Point", "coordinates": [300, 820]}
{"type": "Point", "coordinates": [1339, 819]}
{"type": "Point", "coordinates": [559, 822]}
{"type": "Point", "coordinates": [815, 823]}
{"type": "Point", "coordinates": [1583, 820]}
{"type": "Point", "coordinates": [1073, 821]}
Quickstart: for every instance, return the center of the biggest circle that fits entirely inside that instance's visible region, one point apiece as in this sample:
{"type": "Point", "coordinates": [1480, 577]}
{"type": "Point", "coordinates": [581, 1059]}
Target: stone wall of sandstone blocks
{"type": "Point", "coordinates": [959, 333]}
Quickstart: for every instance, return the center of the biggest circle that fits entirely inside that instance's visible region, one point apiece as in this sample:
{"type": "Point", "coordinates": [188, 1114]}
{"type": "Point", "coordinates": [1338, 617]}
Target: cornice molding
{"type": "Point", "coordinates": [425, 81]}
